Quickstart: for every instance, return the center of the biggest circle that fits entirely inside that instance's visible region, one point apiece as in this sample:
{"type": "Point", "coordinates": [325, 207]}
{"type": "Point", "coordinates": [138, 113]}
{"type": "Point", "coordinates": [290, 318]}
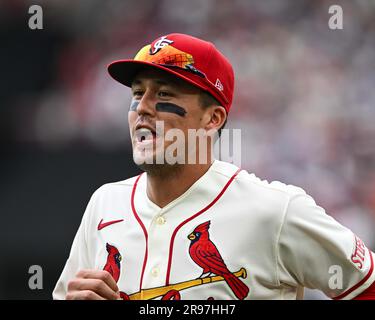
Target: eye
{"type": "Point", "coordinates": [137, 93]}
{"type": "Point", "coordinates": [164, 94]}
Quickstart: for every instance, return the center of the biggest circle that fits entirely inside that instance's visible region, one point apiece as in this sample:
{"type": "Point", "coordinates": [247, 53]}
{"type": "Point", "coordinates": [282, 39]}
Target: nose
{"type": "Point", "coordinates": [146, 105]}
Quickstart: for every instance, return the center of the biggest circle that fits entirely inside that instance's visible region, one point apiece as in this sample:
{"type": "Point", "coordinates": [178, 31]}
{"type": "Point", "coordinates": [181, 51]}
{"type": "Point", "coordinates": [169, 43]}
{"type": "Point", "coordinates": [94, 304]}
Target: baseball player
{"type": "Point", "coordinates": [205, 230]}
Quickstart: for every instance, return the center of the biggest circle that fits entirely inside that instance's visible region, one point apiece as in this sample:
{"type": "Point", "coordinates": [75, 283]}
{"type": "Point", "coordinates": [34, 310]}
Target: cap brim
{"type": "Point", "coordinates": [124, 71]}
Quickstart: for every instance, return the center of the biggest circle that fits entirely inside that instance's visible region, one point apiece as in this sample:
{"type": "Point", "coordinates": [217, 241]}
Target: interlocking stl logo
{"type": "Point", "coordinates": [161, 43]}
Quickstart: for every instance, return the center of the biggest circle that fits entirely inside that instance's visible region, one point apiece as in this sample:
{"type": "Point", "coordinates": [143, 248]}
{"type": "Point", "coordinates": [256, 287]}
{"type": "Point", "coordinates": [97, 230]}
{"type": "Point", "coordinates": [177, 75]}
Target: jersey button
{"type": "Point", "coordinates": [155, 272]}
{"type": "Point", "coordinates": [160, 220]}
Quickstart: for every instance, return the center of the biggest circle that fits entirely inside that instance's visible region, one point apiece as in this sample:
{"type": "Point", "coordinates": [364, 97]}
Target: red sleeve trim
{"type": "Point", "coordinates": [368, 294]}
{"type": "Point", "coordinates": [359, 283]}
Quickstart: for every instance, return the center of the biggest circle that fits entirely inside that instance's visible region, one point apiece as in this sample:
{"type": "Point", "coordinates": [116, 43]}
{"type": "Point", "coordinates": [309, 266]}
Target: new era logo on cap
{"type": "Point", "coordinates": [219, 85]}
{"type": "Point", "coordinates": [191, 59]}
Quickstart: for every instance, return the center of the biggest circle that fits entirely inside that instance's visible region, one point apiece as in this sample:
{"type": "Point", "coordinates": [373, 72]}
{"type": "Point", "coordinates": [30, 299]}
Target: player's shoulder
{"type": "Point", "coordinates": [274, 186]}
{"type": "Point", "coordinates": [266, 201]}
{"type": "Point", "coordinates": [249, 181]}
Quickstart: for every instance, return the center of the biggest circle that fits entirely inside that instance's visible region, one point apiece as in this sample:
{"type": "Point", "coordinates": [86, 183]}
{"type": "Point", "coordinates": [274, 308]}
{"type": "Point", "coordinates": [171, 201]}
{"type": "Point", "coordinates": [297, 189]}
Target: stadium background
{"type": "Point", "coordinates": [304, 99]}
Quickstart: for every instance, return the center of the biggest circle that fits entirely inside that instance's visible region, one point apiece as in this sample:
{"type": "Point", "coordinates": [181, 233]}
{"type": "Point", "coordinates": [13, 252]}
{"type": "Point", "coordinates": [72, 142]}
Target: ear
{"type": "Point", "coordinates": [217, 116]}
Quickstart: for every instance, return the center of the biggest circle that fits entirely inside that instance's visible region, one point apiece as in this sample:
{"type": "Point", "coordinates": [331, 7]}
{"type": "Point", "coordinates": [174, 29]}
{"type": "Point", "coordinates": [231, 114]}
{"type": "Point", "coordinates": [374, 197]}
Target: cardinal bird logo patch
{"type": "Point", "coordinates": [206, 255]}
{"type": "Point", "coordinates": [113, 265]}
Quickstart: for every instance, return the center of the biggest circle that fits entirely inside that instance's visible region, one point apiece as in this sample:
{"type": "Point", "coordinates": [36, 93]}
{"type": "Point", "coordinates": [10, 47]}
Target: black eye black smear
{"type": "Point", "coordinates": [134, 105]}
{"type": "Point", "coordinates": [170, 107]}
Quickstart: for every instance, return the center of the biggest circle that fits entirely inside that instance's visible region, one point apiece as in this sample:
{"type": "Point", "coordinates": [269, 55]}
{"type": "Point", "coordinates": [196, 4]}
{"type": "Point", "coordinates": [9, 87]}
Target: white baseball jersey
{"type": "Point", "coordinates": [229, 236]}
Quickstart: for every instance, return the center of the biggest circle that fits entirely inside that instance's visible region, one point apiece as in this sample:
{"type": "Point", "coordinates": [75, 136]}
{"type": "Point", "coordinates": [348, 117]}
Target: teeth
{"type": "Point", "coordinates": [143, 134]}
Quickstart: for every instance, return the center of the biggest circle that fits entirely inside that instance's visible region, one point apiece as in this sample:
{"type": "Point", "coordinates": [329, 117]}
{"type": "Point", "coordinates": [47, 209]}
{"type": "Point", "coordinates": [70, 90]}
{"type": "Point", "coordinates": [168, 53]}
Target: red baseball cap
{"type": "Point", "coordinates": [191, 59]}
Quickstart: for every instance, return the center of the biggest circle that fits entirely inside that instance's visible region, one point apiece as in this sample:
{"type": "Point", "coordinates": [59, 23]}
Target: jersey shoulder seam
{"type": "Point", "coordinates": [252, 178]}
{"type": "Point", "coordinates": [277, 253]}
{"type": "Point", "coordinates": [282, 224]}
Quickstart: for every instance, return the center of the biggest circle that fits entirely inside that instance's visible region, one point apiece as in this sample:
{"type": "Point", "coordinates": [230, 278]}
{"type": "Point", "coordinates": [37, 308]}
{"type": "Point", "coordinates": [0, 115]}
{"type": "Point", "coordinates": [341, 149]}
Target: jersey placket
{"type": "Point", "coordinates": [159, 233]}
{"type": "Point", "coordinates": [162, 223]}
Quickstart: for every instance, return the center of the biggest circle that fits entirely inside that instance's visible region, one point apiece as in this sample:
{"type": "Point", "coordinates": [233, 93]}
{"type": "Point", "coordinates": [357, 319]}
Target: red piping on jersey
{"type": "Point", "coordinates": [368, 294]}
{"type": "Point", "coordinates": [359, 283]}
{"type": "Point", "coordinates": [191, 218]}
{"type": "Point", "coordinates": [143, 228]}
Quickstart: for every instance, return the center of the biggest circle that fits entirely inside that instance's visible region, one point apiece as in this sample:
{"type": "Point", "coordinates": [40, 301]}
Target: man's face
{"type": "Point", "coordinates": [159, 96]}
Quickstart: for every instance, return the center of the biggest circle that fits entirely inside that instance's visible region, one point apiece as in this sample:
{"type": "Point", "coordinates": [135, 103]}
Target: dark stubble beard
{"type": "Point", "coordinates": [164, 170]}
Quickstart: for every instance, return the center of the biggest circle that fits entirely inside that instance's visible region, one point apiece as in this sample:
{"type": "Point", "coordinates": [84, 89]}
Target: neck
{"type": "Point", "coordinates": [166, 185]}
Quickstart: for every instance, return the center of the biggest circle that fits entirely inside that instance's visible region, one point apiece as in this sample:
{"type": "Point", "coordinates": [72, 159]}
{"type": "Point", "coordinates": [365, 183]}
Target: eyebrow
{"type": "Point", "coordinates": [158, 81]}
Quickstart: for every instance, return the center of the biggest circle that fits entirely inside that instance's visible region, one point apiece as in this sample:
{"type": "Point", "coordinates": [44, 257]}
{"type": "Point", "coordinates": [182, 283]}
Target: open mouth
{"type": "Point", "coordinates": [145, 135]}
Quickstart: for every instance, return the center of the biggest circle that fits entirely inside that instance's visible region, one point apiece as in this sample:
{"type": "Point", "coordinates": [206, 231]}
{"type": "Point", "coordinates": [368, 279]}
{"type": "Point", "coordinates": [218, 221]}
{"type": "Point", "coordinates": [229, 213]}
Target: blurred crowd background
{"type": "Point", "coordinates": [304, 100]}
